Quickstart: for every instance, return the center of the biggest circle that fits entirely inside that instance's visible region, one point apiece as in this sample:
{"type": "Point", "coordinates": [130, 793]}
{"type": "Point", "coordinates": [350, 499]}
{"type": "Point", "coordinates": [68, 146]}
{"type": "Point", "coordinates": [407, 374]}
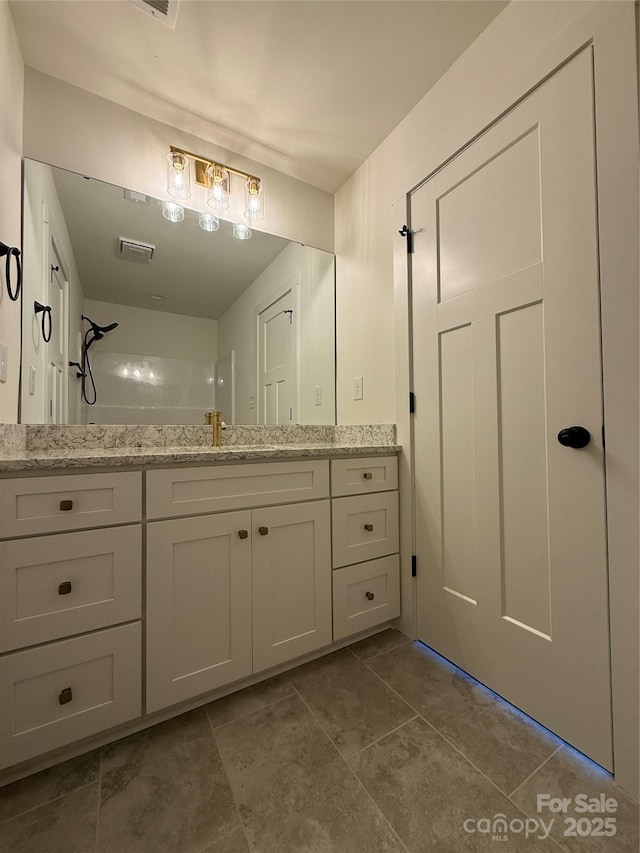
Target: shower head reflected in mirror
{"type": "Point", "coordinates": [94, 333]}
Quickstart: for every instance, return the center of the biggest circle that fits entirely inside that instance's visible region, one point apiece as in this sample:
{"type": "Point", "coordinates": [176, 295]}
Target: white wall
{"type": "Point", "coordinates": [68, 127]}
{"type": "Point", "coordinates": [11, 100]}
{"type": "Point", "coordinates": [316, 332]}
{"type": "Point", "coordinates": [40, 201]}
{"type": "Point", "coordinates": [145, 332]}
{"type": "Point", "coordinates": [237, 331]}
{"type": "Point", "coordinates": [364, 229]}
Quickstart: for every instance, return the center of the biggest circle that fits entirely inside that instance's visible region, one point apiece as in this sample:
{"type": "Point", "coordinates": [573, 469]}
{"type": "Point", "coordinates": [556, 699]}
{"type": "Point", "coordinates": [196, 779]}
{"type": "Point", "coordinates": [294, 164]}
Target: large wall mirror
{"type": "Point", "coordinates": [131, 318]}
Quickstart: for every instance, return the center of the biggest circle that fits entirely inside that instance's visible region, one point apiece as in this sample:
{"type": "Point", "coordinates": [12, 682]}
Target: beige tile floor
{"type": "Point", "coordinates": [379, 748]}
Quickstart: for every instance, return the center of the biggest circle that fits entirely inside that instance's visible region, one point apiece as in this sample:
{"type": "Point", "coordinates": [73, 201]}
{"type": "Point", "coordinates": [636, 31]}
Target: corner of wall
{"type": "Point", "coordinates": [11, 144]}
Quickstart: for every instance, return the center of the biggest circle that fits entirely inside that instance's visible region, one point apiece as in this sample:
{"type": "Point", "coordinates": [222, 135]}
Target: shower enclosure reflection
{"type": "Point", "coordinates": [157, 322]}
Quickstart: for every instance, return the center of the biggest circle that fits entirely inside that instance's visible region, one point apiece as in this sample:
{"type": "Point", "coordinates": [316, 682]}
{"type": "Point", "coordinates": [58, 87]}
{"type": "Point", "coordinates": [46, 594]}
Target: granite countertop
{"type": "Point", "coordinates": [137, 456]}
{"type": "Point", "coordinates": [41, 447]}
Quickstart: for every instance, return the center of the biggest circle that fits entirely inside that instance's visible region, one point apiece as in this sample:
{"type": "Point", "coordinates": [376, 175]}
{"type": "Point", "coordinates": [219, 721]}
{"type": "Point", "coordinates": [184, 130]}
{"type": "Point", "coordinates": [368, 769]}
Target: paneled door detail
{"type": "Point", "coordinates": [198, 605]}
{"type": "Point", "coordinates": [57, 348]}
{"type": "Point", "coordinates": [277, 357]}
{"type": "Point", "coordinates": [510, 522]}
{"type": "Point", "coordinates": [291, 582]}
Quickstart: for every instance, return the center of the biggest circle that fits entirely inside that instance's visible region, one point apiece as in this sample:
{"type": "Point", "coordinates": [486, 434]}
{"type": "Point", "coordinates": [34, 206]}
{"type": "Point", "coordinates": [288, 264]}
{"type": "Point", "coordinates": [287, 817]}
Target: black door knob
{"type": "Point", "coordinates": [575, 436]}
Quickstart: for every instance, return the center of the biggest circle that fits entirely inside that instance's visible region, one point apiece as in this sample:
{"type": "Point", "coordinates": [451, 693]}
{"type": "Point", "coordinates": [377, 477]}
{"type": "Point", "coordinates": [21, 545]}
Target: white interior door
{"type": "Point", "coordinates": [57, 348]}
{"type": "Point", "coordinates": [277, 359]}
{"type": "Point", "coordinates": [510, 526]}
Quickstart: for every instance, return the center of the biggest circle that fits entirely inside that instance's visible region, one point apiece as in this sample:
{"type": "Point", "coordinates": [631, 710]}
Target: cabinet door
{"type": "Point", "coordinates": [198, 606]}
{"type": "Point", "coordinates": [291, 582]}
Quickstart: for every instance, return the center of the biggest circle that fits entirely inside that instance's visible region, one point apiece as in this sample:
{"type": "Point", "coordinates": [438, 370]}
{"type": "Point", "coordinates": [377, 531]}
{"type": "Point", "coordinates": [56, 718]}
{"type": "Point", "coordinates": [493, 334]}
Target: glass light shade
{"type": "Point", "coordinates": [172, 211]}
{"type": "Point", "coordinates": [178, 175]}
{"type": "Point", "coordinates": [241, 231]}
{"type": "Point", "coordinates": [208, 222]}
{"type": "Point", "coordinates": [218, 187]}
{"type": "Point", "coordinates": [253, 200]}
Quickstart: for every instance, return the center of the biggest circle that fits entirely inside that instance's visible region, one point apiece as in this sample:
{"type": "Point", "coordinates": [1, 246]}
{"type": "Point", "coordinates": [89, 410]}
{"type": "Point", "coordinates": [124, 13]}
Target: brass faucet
{"type": "Point", "coordinates": [214, 419]}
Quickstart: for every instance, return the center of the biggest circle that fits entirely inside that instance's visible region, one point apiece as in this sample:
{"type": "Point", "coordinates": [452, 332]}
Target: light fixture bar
{"type": "Point", "coordinates": [200, 172]}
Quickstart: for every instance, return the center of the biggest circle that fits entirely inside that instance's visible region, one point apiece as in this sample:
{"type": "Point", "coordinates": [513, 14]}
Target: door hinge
{"type": "Point", "coordinates": [406, 232]}
{"type": "Point", "coordinates": [414, 566]}
{"type": "Point", "coordinates": [412, 402]}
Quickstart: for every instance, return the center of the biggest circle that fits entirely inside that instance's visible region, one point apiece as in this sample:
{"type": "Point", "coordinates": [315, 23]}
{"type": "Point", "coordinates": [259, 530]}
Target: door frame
{"type": "Point", "coordinates": [53, 253]}
{"type": "Point", "coordinates": [611, 32]}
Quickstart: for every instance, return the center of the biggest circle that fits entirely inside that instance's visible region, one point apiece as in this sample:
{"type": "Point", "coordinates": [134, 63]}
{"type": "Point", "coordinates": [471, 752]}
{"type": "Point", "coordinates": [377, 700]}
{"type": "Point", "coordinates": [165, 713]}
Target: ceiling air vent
{"type": "Point", "coordinates": [134, 250]}
{"type": "Point", "coordinates": [162, 10]}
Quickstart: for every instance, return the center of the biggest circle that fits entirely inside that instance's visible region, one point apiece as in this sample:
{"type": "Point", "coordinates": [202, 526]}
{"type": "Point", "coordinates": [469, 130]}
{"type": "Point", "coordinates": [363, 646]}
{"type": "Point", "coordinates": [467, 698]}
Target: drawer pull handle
{"type": "Point", "coordinates": [66, 696]}
{"type": "Point", "coordinates": [370, 595]}
{"type": "Point", "coordinates": [263, 531]}
{"type": "Point", "coordinates": [368, 527]}
{"type": "Point", "coordinates": [64, 588]}
{"type": "Point", "coordinates": [368, 475]}
{"type": "Point", "coordinates": [243, 534]}
{"type": "Point", "coordinates": [65, 506]}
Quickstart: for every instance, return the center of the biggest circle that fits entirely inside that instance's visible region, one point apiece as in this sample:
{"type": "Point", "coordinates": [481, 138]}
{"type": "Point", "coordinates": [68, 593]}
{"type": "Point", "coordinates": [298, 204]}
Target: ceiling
{"type": "Point", "coordinates": [309, 87]}
{"type": "Point", "coordinates": [197, 273]}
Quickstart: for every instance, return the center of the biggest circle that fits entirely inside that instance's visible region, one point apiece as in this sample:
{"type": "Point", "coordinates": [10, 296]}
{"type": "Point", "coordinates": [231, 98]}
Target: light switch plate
{"type": "Point", "coordinates": [317, 395]}
{"type": "Point", "coordinates": [4, 358]}
{"type": "Point", "coordinates": [252, 402]}
{"type": "Point", "coordinates": [358, 388]}
{"type": "Point", "coordinates": [32, 381]}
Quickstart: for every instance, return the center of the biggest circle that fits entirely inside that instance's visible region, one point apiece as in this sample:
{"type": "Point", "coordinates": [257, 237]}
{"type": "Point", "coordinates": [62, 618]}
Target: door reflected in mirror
{"type": "Point", "coordinates": [158, 321]}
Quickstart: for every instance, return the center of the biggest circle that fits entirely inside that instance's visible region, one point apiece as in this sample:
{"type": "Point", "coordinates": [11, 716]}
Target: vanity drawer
{"type": "Point", "coordinates": [364, 527]}
{"type": "Point", "coordinates": [359, 476]}
{"type": "Point", "coordinates": [66, 691]}
{"type": "Point", "coordinates": [47, 504]}
{"type": "Point", "coordinates": [56, 586]}
{"type": "Point", "coordinates": [365, 595]}
{"type": "Point", "coordinates": [190, 491]}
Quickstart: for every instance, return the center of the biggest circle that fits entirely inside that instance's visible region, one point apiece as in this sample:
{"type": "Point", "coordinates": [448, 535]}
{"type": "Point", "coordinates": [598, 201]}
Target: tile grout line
{"type": "Point", "coordinates": [444, 738]}
{"type": "Point", "coordinates": [247, 713]}
{"type": "Point", "coordinates": [382, 737]}
{"type": "Point", "coordinates": [539, 767]}
{"type": "Point", "coordinates": [462, 755]}
{"type": "Point", "coordinates": [46, 802]}
{"type": "Point", "coordinates": [379, 654]}
{"type": "Point", "coordinates": [351, 770]}
{"type": "Point", "coordinates": [218, 840]}
{"type": "Point", "coordinates": [226, 776]}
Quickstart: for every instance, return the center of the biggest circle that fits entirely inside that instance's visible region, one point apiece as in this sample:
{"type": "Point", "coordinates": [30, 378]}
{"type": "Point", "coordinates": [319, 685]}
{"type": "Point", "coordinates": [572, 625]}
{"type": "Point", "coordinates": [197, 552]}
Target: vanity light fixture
{"type": "Point", "coordinates": [253, 200]}
{"type": "Point", "coordinates": [216, 179]}
{"type": "Point", "coordinates": [208, 222]}
{"type": "Point", "coordinates": [178, 177]}
{"type": "Point", "coordinates": [241, 231]}
{"type": "Point", "coordinates": [218, 186]}
{"type": "Point", "coordinates": [172, 211]}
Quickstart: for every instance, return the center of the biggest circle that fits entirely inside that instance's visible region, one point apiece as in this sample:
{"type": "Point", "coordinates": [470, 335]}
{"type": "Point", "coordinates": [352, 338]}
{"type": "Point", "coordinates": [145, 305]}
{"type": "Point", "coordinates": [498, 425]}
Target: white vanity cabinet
{"type": "Point", "coordinates": [198, 605]}
{"type": "Point", "coordinates": [70, 605]}
{"type": "Point", "coordinates": [232, 593]}
{"type": "Point", "coordinates": [247, 566]}
{"type": "Point", "coordinates": [366, 563]}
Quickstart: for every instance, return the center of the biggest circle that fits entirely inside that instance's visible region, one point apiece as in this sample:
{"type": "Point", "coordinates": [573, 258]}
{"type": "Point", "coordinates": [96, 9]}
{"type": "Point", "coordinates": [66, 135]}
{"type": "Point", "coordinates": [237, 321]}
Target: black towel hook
{"type": "Point", "coordinates": [12, 252]}
{"type": "Point", "coordinates": [46, 315]}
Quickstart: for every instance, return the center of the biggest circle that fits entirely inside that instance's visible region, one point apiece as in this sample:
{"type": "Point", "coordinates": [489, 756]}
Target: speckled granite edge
{"type": "Point", "coordinates": [13, 439]}
{"type": "Point", "coordinates": [49, 438]}
{"type": "Point", "coordinates": [137, 456]}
